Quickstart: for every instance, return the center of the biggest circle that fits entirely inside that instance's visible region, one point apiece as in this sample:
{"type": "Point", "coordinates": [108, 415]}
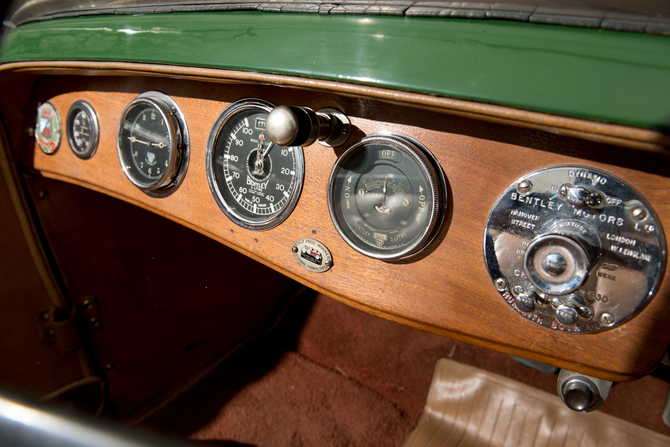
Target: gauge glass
{"type": "Point", "coordinates": [387, 196]}
{"type": "Point", "coordinates": [152, 143]}
{"type": "Point", "coordinates": [255, 182]}
{"type": "Point", "coordinates": [83, 132]}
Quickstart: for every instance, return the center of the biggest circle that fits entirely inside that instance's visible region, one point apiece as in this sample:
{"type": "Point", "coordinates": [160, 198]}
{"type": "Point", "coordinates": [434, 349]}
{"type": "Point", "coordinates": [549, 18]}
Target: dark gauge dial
{"type": "Point", "coordinates": [83, 132]}
{"type": "Point", "coordinates": [152, 143]}
{"type": "Point", "coordinates": [387, 196]}
{"type": "Point", "coordinates": [255, 182]}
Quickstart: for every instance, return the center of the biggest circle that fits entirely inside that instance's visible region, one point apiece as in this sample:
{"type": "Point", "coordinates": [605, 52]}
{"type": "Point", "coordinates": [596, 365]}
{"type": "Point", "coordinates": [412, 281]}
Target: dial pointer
{"type": "Point", "coordinates": [135, 140]}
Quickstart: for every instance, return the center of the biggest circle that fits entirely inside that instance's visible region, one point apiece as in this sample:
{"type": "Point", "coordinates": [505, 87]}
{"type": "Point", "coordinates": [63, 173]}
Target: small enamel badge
{"type": "Point", "coordinates": [47, 128]}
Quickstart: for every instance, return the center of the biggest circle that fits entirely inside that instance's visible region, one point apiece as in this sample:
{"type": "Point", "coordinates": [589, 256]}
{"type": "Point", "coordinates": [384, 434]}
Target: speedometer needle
{"type": "Point", "coordinates": [267, 149]}
{"type": "Point", "coordinates": [259, 162]}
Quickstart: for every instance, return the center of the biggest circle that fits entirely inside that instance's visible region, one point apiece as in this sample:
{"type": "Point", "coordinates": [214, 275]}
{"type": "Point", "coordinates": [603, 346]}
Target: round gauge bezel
{"type": "Point", "coordinates": [169, 181]}
{"type": "Point", "coordinates": [230, 209]}
{"type": "Point", "coordinates": [431, 169]}
{"type": "Point", "coordinates": [85, 107]}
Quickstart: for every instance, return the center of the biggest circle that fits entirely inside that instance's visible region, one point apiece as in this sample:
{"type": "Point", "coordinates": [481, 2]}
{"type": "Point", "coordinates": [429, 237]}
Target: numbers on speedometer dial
{"type": "Point", "coordinates": [255, 182]}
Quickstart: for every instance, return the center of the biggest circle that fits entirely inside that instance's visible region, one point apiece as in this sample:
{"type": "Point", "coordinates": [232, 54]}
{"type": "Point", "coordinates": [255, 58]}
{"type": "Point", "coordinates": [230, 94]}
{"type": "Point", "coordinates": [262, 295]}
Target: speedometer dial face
{"type": "Point", "coordinates": [387, 196]}
{"type": "Point", "coordinates": [255, 182]}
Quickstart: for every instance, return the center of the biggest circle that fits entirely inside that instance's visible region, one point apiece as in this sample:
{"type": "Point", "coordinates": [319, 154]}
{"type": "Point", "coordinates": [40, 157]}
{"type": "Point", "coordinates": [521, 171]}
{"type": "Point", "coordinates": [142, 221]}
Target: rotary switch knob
{"type": "Point", "coordinates": [580, 197]}
{"type": "Point", "coordinates": [556, 264]}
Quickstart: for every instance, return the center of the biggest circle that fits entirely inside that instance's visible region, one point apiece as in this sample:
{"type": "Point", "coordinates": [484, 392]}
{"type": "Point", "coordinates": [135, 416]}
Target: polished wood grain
{"type": "Point", "coordinates": [626, 136]}
{"type": "Point", "coordinates": [447, 290]}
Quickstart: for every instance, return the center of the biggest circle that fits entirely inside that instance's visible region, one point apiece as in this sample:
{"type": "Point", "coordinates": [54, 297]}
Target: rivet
{"type": "Point", "coordinates": [639, 213]}
{"type": "Point", "coordinates": [525, 186]}
{"type": "Point", "coordinates": [295, 249]}
{"type": "Point", "coordinates": [501, 284]}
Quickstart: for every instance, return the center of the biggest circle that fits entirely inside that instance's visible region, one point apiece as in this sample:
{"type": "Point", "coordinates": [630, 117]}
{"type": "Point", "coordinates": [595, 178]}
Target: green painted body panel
{"type": "Point", "coordinates": [595, 74]}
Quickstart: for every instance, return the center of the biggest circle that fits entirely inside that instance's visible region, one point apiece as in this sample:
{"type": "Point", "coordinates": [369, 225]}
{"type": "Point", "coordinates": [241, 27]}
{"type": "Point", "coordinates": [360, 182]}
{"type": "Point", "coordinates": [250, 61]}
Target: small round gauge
{"type": "Point", "coordinates": [152, 143]}
{"type": "Point", "coordinates": [47, 128]}
{"type": "Point", "coordinates": [387, 196]}
{"type": "Point", "coordinates": [83, 131]}
{"type": "Point", "coordinates": [255, 182]}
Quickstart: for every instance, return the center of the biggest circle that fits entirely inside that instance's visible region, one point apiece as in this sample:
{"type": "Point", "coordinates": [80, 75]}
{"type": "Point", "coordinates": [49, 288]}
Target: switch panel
{"type": "Point", "coordinates": [574, 249]}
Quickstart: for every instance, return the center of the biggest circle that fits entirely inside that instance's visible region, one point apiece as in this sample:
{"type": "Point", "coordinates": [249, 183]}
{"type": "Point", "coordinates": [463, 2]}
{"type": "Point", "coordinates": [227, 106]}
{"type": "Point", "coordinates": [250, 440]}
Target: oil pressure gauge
{"type": "Point", "coordinates": [255, 182]}
{"type": "Point", "coordinates": [152, 143]}
{"type": "Point", "coordinates": [83, 131]}
{"type": "Point", "coordinates": [387, 196]}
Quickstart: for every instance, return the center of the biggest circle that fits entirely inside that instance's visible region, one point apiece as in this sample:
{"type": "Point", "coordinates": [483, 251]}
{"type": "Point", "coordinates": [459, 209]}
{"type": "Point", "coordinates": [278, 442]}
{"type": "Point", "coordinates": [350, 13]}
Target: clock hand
{"type": "Point", "coordinates": [135, 140]}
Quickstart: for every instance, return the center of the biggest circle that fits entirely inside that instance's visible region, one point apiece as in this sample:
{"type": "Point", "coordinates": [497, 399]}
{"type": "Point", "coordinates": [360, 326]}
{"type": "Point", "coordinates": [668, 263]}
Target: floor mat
{"type": "Point", "coordinates": [467, 406]}
{"type": "Point", "coordinates": [301, 403]}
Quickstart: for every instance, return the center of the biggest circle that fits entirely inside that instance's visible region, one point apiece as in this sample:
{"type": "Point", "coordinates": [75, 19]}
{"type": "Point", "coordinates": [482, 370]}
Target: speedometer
{"type": "Point", "coordinates": [255, 182]}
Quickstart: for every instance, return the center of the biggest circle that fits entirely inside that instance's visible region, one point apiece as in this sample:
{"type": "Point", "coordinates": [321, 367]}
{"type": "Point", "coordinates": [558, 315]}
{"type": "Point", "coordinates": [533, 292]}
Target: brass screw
{"type": "Point", "coordinates": [639, 213]}
{"type": "Point", "coordinates": [525, 186]}
{"type": "Point", "coordinates": [607, 319]}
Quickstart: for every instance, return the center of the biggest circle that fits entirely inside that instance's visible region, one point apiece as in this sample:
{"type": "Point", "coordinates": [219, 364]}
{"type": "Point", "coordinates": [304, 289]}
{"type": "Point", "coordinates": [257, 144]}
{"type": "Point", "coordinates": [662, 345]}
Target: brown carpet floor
{"type": "Point", "coordinates": [330, 375]}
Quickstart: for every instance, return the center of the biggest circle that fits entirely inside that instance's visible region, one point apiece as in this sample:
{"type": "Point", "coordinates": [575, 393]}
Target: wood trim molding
{"type": "Point", "coordinates": [625, 136]}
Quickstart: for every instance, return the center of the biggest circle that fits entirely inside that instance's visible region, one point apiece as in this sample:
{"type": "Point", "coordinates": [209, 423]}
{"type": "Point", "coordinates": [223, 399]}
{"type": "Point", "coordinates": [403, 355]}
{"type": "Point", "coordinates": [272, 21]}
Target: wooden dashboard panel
{"type": "Point", "coordinates": [447, 290]}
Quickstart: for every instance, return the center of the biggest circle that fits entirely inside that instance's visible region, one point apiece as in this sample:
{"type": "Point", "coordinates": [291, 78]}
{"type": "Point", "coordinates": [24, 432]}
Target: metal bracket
{"type": "Point", "coordinates": [89, 311]}
{"type": "Point", "coordinates": [56, 328]}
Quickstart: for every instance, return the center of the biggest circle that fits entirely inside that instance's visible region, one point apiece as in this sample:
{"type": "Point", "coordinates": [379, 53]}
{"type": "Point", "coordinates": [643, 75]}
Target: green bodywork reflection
{"type": "Point", "coordinates": [595, 74]}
